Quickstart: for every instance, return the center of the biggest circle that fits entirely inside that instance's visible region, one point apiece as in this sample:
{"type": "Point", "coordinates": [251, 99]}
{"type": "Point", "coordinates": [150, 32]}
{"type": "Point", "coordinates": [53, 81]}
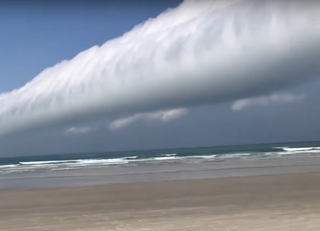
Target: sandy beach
{"type": "Point", "coordinates": [257, 203]}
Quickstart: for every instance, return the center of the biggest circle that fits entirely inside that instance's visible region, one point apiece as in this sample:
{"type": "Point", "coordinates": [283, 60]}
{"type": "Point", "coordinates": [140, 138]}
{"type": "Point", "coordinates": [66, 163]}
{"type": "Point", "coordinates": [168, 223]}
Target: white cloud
{"type": "Point", "coordinates": [162, 116]}
{"type": "Point", "coordinates": [266, 101]}
{"type": "Point", "coordinates": [79, 130]}
{"type": "Point", "coordinates": [202, 52]}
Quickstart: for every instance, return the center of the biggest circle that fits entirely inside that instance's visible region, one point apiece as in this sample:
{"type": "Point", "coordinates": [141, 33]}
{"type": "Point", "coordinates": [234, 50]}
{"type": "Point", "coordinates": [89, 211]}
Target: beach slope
{"type": "Point", "coordinates": [257, 203]}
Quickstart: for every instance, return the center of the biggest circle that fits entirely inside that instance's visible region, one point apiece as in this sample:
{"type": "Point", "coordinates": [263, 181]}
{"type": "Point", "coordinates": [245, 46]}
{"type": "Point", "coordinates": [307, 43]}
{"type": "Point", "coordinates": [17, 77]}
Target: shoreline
{"type": "Point", "coordinates": [148, 183]}
{"type": "Point", "coordinates": [171, 171]}
{"type": "Point", "coordinates": [277, 202]}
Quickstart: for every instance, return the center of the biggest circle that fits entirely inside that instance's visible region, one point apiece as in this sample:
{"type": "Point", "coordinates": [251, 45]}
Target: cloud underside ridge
{"type": "Point", "coordinates": [202, 52]}
{"type": "Point", "coordinates": [159, 116]}
{"type": "Point", "coordinates": [275, 99]}
{"type": "Point", "coordinates": [162, 116]}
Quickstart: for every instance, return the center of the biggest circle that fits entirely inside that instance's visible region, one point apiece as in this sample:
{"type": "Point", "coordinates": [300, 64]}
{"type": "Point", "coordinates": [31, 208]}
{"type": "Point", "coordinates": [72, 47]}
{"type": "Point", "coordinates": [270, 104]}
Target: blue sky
{"type": "Point", "coordinates": [34, 37]}
{"type": "Point", "coordinates": [37, 36]}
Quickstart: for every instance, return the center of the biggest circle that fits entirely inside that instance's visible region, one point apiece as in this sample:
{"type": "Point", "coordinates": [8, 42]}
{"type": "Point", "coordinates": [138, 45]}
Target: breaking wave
{"type": "Point", "coordinates": [150, 157]}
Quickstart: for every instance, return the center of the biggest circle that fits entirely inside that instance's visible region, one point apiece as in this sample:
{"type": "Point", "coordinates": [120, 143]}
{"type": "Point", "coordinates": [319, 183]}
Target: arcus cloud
{"type": "Point", "coordinates": [202, 52]}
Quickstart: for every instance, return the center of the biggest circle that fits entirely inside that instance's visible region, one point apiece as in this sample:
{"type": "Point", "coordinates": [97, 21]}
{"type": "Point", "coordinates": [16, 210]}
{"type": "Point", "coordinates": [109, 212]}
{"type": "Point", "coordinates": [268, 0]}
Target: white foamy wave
{"type": "Point", "coordinates": [102, 161]}
{"type": "Point", "coordinates": [167, 158]}
{"type": "Point", "coordinates": [137, 160]}
{"type": "Point", "coordinates": [44, 162]}
{"type": "Point", "coordinates": [131, 157]}
{"type": "Point", "coordinates": [68, 164]}
{"type": "Point", "coordinates": [235, 155]}
{"type": "Point", "coordinates": [170, 156]}
{"type": "Point", "coordinates": [87, 163]}
{"type": "Point", "coordinates": [7, 166]}
{"type": "Point", "coordinates": [301, 149]}
{"type": "Point", "coordinates": [289, 150]}
{"type": "Point", "coordinates": [173, 154]}
{"type": "Point", "coordinates": [202, 157]}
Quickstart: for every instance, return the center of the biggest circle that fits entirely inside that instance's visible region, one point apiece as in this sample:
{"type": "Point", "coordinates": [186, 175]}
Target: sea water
{"type": "Point", "coordinates": [84, 169]}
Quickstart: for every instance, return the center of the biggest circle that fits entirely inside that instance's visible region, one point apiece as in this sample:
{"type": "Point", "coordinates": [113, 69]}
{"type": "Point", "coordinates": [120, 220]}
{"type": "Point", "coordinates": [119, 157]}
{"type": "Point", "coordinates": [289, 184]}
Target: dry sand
{"type": "Point", "coordinates": [287, 202]}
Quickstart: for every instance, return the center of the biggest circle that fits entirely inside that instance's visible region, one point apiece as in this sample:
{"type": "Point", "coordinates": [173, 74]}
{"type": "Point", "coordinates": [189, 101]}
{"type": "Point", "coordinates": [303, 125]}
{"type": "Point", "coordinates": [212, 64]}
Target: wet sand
{"type": "Point", "coordinates": [256, 203]}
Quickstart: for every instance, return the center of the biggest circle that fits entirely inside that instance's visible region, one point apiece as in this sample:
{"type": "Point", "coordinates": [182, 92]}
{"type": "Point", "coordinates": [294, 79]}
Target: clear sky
{"type": "Point", "coordinates": [37, 36]}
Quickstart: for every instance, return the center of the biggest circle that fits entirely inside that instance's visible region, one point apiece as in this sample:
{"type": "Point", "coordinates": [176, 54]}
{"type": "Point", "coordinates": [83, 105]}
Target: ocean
{"type": "Point", "coordinates": [64, 170]}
